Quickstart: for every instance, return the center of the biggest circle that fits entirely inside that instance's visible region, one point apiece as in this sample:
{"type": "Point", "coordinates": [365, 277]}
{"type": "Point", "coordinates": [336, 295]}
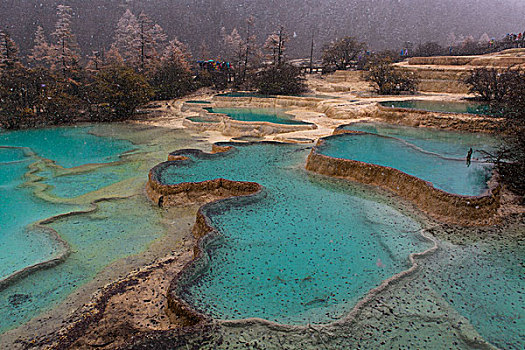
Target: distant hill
{"type": "Point", "coordinates": [382, 23]}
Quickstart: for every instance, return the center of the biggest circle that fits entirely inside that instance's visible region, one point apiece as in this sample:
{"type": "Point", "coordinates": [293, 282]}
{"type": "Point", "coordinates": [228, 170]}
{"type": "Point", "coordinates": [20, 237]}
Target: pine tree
{"type": "Point", "coordinates": [113, 57]}
{"type": "Point", "coordinates": [41, 52]}
{"type": "Point", "coordinates": [8, 51]}
{"type": "Point", "coordinates": [151, 37]}
{"type": "Point", "coordinates": [139, 41]}
{"type": "Point", "coordinates": [160, 38]}
{"type": "Point", "coordinates": [95, 62]}
{"type": "Point", "coordinates": [204, 51]}
{"type": "Point", "coordinates": [65, 47]}
{"type": "Point", "coordinates": [236, 50]}
{"type": "Point", "coordinates": [252, 55]}
{"type": "Point", "coordinates": [484, 39]}
{"type": "Point", "coordinates": [275, 46]}
{"type": "Point", "coordinates": [127, 41]}
{"type": "Point", "coordinates": [177, 53]}
{"type": "Point", "coordinates": [172, 77]}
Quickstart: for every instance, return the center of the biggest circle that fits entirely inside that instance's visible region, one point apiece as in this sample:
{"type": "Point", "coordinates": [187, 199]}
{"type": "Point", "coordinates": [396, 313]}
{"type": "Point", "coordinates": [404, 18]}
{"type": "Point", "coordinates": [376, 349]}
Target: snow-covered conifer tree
{"type": "Point", "coordinates": [65, 48]}
{"type": "Point", "coordinates": [8, 51]}
{"type": "Point", "coordinates": [177, 53]}
{"type": "Point", "coordinates": [151, 38]}
{"type": "Point", "coordinates": [127, 38]}
{"type": "Point", "coordinates": [139, 40]}
{"type": "Point", "coordinates": [40, 53]}
{"type": "Point", "coordinates": [236, 50]}
{"type": "Point", "coordinates": [113, 57]}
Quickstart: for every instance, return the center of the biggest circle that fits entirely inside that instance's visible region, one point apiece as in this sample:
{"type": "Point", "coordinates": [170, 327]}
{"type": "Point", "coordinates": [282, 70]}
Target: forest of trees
{"type": "Point", "coordinates": [56, 84]}
{"type": "Point", "coordinates": [383, 24]}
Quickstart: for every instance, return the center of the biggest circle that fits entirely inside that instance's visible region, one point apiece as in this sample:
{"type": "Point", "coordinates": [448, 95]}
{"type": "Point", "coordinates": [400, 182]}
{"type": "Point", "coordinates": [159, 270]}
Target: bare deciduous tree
{"type": "Point", "coordinates": [275, 45]}
{"type": "Point", "coordinates": [341, 53]}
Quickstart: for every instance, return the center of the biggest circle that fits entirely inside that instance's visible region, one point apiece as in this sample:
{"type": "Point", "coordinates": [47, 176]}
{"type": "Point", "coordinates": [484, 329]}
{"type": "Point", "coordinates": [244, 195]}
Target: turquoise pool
{"type": "Point", "coordinates": [78, 184]}
{"type": "Point", "coordinates": [71, 162]}
{"type": "Point", "coordinates": [483, 281]}
{"type": "Point", "coordinates": [305, 250]}
{"type": "Point", "coordinates": [67, 147]}
{"type": "Point", "coordinates": [452, 144]}
{"type": "Point", "coordinates": [276, 116]}
{"type": "Point", "coordinates": [21, 245]}
{"type": "Point", "coordinates": [245, 94]}
{"type": "Point", "coordinates": [443, 106]}
{"type": "Point", "coordinates": [449, 174]}
{"type": "Point", "coordinates": [198, 102]}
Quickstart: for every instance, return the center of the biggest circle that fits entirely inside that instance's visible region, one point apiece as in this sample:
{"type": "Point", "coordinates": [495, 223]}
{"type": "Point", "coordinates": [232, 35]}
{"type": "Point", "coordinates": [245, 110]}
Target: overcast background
{"type": "Point", "coordinates": [381, 23]}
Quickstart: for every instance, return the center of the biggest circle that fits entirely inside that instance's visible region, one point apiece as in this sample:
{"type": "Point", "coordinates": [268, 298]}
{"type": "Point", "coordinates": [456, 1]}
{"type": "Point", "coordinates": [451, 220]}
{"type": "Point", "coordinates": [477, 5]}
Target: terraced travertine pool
{"type": "Point", "coordinates": [202, 120]}
{"type": "Point", "coordinates": [305, 250]}
{"type": "Point", "coordinates": [66, 147]}
{"type": "Point", "coordinates": [257, 95]}
{"type": "Point", "coordinates": [276, 116]}
{"type": "Point", "coordinates": [271, 258]}
{"type": "Point", "coordinates": [52, 171]}
{"type": "Point", "coordinates": [431, 155]}
{"type": "Point", "coordinates": [446, 143]}
{"type": "Point", "coordinates": [483, 280]}
{"type": "Point", "coordinates": [21, 246]}
{"type": "Point", "coordinates": [443, 106]}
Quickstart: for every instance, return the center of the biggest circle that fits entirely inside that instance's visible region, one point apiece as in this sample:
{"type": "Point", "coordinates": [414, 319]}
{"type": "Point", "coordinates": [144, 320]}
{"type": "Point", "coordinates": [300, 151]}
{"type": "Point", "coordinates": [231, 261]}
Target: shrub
{"type": "Point", "coordinates": [490, 84]}
{"type": "Point", "coordinates": [34, 97]}
{"type": "Point", "coordinates": [171, 80]}
{"type": "Point", "coordinates": [341, 53]}
{"type": "Point", "coordinates": [283, 79]}
{"type": "Point", "coordinates": [118, 91]}
{"type": "Point", "coordinates": [216, 79]}
{"type": "Point", "coordinates": [387, 80]}
{"type": "Point", "coordinates": [511, 154]}
{"type": "Point", "coordinates": [505, 90]}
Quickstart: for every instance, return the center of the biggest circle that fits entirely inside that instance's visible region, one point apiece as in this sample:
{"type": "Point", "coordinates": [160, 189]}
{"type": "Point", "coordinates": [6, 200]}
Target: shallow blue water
{"type": "Point", "coordinates": [21, 245]}
{"type": "Point", "coordinates": [118, 229]}
{"type": "Point", "coordinates": [67, 146]}
{"type": "Point", "coordinates": [450, 175]}
{"type": "Point", "coordinates": [275, 116]}
{"type": "Point", "coordinates": [198, 102]}
{"type": "Point", "coordinates": [254, 94]}
{"type": "Point", "coordinates": [484, 282]}
{"type": "Point", "coordinates": [70, 186]}
{"type": "Point", "coordinates": [304, 250]}
{"type": "Point", "coordinates": [347, 235]}
{"type": "Point", "coordinates": [443, 106]}
{"type": "Point", "coordinates": [446, 143]}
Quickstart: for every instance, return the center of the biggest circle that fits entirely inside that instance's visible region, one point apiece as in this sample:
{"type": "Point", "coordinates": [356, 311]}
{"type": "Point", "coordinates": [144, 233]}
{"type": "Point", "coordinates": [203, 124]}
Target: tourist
{"type": "Point", "coordinates": [469, 156]}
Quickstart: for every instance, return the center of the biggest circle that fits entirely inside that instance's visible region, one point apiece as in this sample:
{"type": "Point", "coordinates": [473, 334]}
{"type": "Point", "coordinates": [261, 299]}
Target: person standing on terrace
{"type": "Point", "coordinates": [469, 156]}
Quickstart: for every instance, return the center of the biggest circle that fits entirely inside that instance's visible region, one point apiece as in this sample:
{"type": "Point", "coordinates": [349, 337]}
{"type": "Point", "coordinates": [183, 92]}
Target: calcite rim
{"type": "Point", "coordinates": [441, 205]}
{"type": "Point", "coordinates": [204, 232]}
